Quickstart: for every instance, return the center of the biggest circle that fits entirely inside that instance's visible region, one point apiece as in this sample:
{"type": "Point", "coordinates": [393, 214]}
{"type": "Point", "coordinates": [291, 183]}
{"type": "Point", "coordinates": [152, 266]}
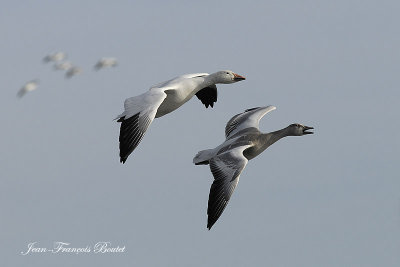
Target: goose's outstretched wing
{"type": "Point", "coordinates": [137, 117]}
{"type": "Point", "coordinates": [226, 169]}
{"type": "Point", "coordinates": [247, 119]}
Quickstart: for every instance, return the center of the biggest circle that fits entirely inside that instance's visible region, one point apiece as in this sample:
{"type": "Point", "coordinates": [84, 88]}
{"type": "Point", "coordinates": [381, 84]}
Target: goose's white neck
{"type": "Point", "coordinates": [210, 80]}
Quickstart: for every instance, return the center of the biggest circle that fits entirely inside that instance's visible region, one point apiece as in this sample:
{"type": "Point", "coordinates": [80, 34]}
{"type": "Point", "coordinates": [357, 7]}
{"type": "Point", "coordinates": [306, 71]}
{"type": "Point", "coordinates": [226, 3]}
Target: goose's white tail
{"type": "Point", "coordinates": [203, 157]}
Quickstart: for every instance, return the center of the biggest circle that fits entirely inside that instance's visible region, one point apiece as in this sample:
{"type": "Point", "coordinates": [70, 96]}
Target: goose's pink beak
{"type": "Point", "coordinates": [237, 77]}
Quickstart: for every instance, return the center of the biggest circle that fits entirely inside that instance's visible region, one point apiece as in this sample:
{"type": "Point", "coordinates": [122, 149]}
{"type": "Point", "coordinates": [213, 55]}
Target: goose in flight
{"type": "Point", "coordinates": [63, 66]}
{"type": "Point", "coordinates": [244, 141]}
{"type": "Point", "coordinates": [106, 62]}
{"type": "Point", "coordinates": [55, 57]}
{"type": "Point", "coordinates": [28, 87]}
{"type": "Point", "coordinates": [164, 98]}
{"type": "Point", "coordinates": [72, 71]}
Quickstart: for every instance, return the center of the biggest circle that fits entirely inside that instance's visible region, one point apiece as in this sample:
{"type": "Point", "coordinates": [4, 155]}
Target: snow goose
{"type": "Point", "coordinates": [63, 65]}
{"type": "Point", "coordinates": [28, 87]}
{"type": "Point", "coordinates": [106, 62]}
{"type": "Point", "coordinates": [55, 57]}
{"type": "Point", "coordinates": [164, 98]}
{"type": "Point", "coordinates": [244, 141]}
{"type": "Point", "coordinates": [72, 71]}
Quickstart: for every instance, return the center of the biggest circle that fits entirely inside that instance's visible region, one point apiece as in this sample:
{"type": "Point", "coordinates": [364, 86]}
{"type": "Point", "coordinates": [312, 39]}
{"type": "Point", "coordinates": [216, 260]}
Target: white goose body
{"type": "Point", "coordinates": [163, 98]}
{"type": "Point", "coordinates": [179, 91]}
{"type": "Point", "coordinates": [63, 65]}
{"type": "Point", "coordinates": [106, 62]}
{"type": "Point", "coordinates": [28, 87]}
{"type": "Point", "coordinates": [73, 71]}
{"type": "Point", "coordinates": [55, 57]}
{"type": "Point", "coordinates": [244, 141]}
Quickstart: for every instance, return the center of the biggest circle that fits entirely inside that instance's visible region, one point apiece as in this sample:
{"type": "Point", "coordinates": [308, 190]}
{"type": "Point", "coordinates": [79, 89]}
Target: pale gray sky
{"type": "Point", "coordinates": [331, 199]}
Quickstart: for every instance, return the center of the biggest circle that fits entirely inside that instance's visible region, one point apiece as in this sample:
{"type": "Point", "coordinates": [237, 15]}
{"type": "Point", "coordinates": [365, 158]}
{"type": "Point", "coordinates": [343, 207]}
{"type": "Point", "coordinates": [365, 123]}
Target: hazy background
{"type": "Point", "coordinates": [331, 199]}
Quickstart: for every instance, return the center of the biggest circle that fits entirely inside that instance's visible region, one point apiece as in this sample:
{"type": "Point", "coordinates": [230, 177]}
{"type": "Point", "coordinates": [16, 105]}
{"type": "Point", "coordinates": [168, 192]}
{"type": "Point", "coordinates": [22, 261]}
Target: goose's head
{"type": "Point", "coordinates": [227, 76]}
{"type": "Point", "coordinates": [297, 129]}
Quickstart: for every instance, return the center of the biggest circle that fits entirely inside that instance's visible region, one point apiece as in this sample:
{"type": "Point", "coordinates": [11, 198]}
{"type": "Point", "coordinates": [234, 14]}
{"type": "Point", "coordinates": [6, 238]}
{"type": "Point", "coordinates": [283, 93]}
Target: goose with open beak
{"type": "Point", "coordinates": [244, 141]}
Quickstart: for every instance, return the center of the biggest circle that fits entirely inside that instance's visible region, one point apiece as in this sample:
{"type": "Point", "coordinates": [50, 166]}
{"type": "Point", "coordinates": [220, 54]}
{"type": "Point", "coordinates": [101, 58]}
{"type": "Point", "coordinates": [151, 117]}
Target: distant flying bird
{"type": "Point", "coordinates": [73, 71]}
{"type": "Point", "coordinates": [106, 62]}
{"type": "Point", "coordinates": [63, 65]}
{"type": "Point", "coordinates": [164, 98]}
{"type": "Point", "coordinates": [55, 57]}
{"type": "Point", "coordinates": [28, 87]}
{"type": "Point", "coordinates": [244, 141]}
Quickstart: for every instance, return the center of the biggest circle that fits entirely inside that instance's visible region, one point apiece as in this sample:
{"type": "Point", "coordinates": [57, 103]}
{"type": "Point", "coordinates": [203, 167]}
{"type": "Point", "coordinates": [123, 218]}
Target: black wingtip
{"type": "Point", "coordinates": [210, 224]}
{"type": "Point", "coordinates": [209, 105]}
{"type": "Point", "coordinates": [129, 137]}
{"type": "Point", "coordinates": [208, 95]}
{"type": "Point", "coordinates": [122, 160]}
{"type": "Point", "coordinates": [205, 162]}
{"type": "Point", "coordinates": [250, 109]}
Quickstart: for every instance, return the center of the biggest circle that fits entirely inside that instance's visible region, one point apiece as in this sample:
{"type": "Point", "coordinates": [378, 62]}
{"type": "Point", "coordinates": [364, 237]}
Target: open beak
{"type": "Point", "coordinates": [237, 77]}
{"type": "Point", "coordinates": [306, 128]}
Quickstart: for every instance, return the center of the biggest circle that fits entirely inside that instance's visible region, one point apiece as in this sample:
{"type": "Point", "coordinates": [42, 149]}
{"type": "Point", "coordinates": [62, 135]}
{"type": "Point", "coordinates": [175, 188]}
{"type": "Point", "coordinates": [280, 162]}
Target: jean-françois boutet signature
{"type": "Point", "coordinates": [64, 247]}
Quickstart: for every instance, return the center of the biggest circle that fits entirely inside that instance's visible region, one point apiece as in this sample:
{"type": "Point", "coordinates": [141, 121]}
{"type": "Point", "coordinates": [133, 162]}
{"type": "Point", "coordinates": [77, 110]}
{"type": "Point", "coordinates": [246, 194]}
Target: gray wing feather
{"type": "Point", "coordinates": [248, 118]}
{"type": "Point", "coordinates": [226, 169]}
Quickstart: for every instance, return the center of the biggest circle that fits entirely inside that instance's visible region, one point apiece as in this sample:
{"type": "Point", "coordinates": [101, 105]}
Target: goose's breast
{"type": "Point", "coordinates": [174, 99]}
{"type": "Point", "coordinates": [178, 92]}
